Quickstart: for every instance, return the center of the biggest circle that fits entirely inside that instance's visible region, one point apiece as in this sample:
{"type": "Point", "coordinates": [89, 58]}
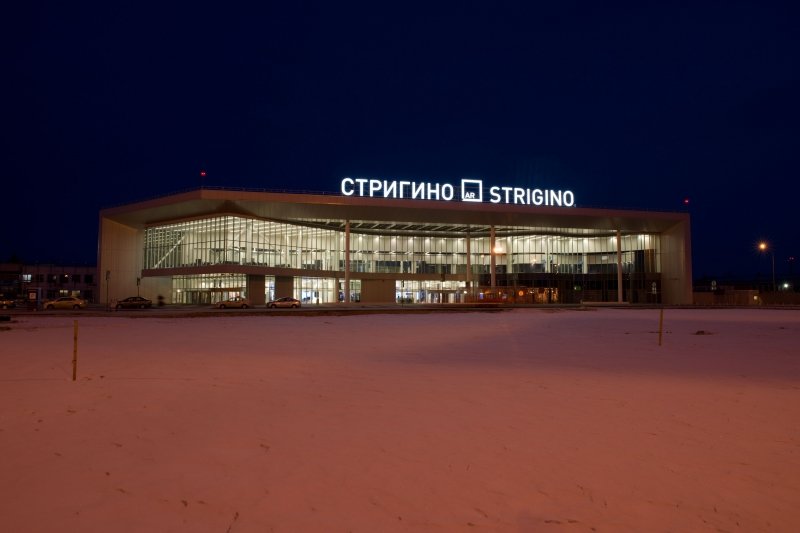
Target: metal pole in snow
{"type": "Point", "coordinates": [75, 351]}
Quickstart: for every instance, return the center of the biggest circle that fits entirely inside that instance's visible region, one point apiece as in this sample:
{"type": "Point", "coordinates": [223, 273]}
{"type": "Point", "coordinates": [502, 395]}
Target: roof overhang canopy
{"type": "Point", "coordinates": [381, 215]}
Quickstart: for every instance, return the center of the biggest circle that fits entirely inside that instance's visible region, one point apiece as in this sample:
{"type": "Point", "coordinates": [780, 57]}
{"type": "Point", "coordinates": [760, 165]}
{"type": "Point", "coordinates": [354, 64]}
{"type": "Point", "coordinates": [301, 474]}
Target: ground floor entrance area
{"type": "Point", "coordinates": [538, 289]}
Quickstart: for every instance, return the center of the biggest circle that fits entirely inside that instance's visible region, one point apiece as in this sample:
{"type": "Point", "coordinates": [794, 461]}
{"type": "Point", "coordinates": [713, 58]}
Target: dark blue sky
{"type": "Point", "coordinates": [634, 105]}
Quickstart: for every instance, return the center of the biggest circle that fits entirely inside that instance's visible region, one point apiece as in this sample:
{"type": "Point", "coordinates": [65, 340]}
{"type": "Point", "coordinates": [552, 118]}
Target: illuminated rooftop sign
{"type": "Point", "coordinates": [469, 191]}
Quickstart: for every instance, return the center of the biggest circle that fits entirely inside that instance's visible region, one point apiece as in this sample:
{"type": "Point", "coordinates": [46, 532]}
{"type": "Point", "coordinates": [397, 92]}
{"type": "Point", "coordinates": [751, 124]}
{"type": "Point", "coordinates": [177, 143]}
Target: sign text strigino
{"type": "Point", "coordinates": [469, 191]}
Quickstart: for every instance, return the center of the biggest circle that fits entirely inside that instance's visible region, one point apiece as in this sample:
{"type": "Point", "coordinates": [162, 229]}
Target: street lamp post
{"type": "Point", "coordinates": [763, 247]}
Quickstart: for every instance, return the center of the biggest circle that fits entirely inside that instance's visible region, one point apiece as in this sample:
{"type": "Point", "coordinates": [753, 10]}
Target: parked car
{"type": "Point", "coordinates": [134, 302]}
{"type": "Point", "coordinates": [236, 301]}
{"type": "Point", "coordinates": [7, 303]}
{"type": "Point", "coordinates": [65, 302]}
{"type": "Point", "coordinates": [284, 302]}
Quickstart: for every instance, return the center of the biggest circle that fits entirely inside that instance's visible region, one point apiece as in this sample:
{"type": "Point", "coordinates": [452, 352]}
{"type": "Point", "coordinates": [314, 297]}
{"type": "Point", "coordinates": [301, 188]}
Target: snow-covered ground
{"type": "Point", "coordinates": [527, 420]}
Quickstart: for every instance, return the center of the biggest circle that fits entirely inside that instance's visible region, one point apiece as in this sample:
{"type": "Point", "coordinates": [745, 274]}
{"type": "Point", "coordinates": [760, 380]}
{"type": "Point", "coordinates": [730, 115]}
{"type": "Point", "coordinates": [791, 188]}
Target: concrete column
{"type": "Point", "coordinates": [511, 279]}
{"type": "Point", "coordinates": [347, 262]}
{"type": "Point", "coordinates": [283, 248]}
{"type": "Point", "coordinates": [469, 267]}
{"type": "Point", "coordinates": [299, 248]}
{"type": "Point", "coordinates": [547, 255]}
{"type": "Point", "coordinates": [585, 266]}
{"type": "Point", "coordinates": [284, 286]}
{"type": "Point", "coordinates": [248, 239]}
{"type": "Point", "coordinates": [255, 289]}
{"type": "Point", "coordinates": [619, 266]}
{"type": "Point", "coordinates": [493, 258]}
{"type": "Point", "coordinates": [509, 256]}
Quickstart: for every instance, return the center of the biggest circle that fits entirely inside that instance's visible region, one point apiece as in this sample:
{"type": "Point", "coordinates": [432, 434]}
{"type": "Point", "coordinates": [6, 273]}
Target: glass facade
{"type": "Point", "coordinates": [207, 288]}
{"type": "Point", "coordinates": [427, 262]}
{"type": "Point", "coordinates": [244, 241]}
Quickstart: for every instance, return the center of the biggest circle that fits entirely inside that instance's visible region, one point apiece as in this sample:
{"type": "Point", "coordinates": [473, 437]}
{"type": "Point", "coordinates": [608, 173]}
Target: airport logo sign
{"type": "Point", "coordinates": [469, 191]}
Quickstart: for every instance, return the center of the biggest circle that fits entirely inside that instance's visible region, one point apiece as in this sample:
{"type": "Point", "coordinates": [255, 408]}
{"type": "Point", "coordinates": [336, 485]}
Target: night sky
{"type": "Point", "coordinates": [635, 105]}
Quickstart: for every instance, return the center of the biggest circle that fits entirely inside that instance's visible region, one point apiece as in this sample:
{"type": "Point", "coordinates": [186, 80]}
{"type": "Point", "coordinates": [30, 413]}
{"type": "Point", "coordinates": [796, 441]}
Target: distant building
{"type": "Point", "coordinates": [48, 280]}
{"type": "Point", "coordinates": [381, 242]}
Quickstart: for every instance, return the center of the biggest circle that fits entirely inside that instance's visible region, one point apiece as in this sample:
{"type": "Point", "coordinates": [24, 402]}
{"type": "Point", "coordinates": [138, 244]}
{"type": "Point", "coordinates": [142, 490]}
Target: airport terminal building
{"type": "Point", "coordinates": [380, 241]}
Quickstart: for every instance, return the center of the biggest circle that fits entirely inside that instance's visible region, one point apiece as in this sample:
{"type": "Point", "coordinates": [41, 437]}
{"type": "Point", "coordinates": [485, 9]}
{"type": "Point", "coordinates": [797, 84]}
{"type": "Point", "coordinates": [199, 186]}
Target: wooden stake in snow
{"type": "Point", "coordinates": [75, 351]}
{"type": "Point", "coordinates": [660, 325]}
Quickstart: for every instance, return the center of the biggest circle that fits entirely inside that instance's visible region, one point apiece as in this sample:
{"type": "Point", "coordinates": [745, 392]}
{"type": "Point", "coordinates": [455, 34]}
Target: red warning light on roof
{"type": "Point", "coordinates": [686, 201]}
{"type": "Point", "coordinates": [203, 173]}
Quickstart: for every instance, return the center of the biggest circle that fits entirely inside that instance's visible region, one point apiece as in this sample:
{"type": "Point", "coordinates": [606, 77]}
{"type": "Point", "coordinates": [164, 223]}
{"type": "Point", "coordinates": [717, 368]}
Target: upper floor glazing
{"type": "Point", "coordinates": [394, 248]}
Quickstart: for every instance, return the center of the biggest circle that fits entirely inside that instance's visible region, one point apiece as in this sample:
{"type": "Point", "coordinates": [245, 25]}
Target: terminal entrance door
{"type": "Point", "coordinates": [196, 297]}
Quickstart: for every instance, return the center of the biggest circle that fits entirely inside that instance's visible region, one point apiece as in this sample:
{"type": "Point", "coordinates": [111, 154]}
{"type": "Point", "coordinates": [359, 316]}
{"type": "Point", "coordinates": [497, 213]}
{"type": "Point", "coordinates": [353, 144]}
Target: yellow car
{"type": "Point", "coordinates": [65, 302]}
{"type": "Point", "coordinates": [294, 303]}
{"type": "Point", "coordinates": [236, 301]}
{"type": "Point", "coordinates": [134, 302]}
